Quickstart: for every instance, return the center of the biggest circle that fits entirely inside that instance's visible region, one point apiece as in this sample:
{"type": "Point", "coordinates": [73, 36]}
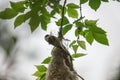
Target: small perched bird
{"type": "Point", "coordinates": [61, 66]}
{"type": "Point", "coordinates": [58, 44]}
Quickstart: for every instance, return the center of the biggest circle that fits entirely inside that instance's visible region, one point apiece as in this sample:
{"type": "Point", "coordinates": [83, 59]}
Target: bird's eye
{"type": "Point", "coordinates": [47, 37]}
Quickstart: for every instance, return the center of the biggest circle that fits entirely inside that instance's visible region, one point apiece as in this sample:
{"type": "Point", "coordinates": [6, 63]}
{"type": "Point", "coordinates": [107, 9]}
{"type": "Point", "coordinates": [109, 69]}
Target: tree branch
{"type": "Point", "coordinates": [60, 36]}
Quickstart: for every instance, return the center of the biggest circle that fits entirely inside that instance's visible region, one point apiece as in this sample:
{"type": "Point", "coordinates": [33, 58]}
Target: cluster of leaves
{"type": "Point", "coordinates": [40, 12]}
{"type": "Point", "coordinates": [41, 72]}
{"type": "Point", "coordinates": [42, 69]}
{"type": "Point", "coordinates": [84, 27]}
{"type": "Point", "coordinates": [90, 31]}
{"type": "Point", "coordinates": [35, 11]}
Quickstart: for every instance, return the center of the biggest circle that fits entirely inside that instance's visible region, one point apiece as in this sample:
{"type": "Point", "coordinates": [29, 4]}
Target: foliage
{"type": "Point", "coordinates": [41, 72]}
{"type": "Point", "coordinates": [40, 12]}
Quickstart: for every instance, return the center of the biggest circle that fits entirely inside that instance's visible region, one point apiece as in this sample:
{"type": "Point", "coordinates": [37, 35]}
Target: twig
{"type": "Point", "coordinates": [61, 27]}
{"type": "Point", "coordinates": [81, 77]}
{"type": "Point", "coordinates": [81, 20]}
{"type": "Point", "coordinates": [80, 10]}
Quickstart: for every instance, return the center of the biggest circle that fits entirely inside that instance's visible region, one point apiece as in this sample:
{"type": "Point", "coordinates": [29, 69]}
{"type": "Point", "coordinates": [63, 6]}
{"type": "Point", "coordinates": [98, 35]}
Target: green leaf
{"type": "Point", "coordinates": [82, 33]}
{"type": "Point", "coordinates": [82, 44]}
{"type": "Point", "coordinates": [19, 20]}
{"type": "Point", "coordinates": [43, 2]}
{"type": "Point", "coordinates": [43, 76]}
{"type": "Point", "coordinates": [72, 43]}
{"type": "Point", "coordinates": [83, 1]}
{"type": "Point", "coordinates": [44, 22]}
{"type": "Point", "coordinates": [79, 24]}
{"type": "Point", "coordinates": [94, 4]}
{"type": "Point", "coordinates": [75, 47]}
{"type": "Point", "coordinates": [45, 19]}
{"type": "Point", "coordinates": [65, 21]}
{"type": "Point", "coordinates": [37, 74]}
{"type": "Point", "coordinates": [8, 13]}
{"type": "Point", "coordinates": [44, 25]}
{"type": "Point", "coordinates": [89, 37]}
{"type": "Point", "coordinates": [46, 15]}
{"type": "Point", "coordinates": [97, 30]}
{"type": "Point", "coordinates": [28, 15]}
{"type": "Point", "coordinates": [90, 22]}
{"type": "Point", "coordinates": [41, 68]}
{"type": "Point", "coordinates": [40, 75]}
{"type": "Point", "coordinates": [18, 6]}
{"type": "Point", "coordinates": [76, 32]}
{"type": "Point", "coordinates": [101, 38]}
{"type": "Point", "coordinates": [38, 78]}
{"type": "Point", "coordinates": [72, 13]}
{"type": "Point", "coordinates": [105, 0]}
{"type": "Point", "coordinates": [66, 29]}
{"type": "Point", "coordinates": [77, 55]}
{"type": "Point", "coordinates": [34, 22]}
{"type": "Point", "coordinates": [47, 60]}
{"type": "Point", "coordinates": [72, 5]}
{"type": "Point", "coordinates": [65, 10]}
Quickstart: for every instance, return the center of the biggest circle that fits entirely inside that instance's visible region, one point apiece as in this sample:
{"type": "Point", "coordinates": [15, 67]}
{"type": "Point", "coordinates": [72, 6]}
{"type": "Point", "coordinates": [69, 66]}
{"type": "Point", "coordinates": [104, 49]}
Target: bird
{"type": "Point", "coordinates": [61, 65]}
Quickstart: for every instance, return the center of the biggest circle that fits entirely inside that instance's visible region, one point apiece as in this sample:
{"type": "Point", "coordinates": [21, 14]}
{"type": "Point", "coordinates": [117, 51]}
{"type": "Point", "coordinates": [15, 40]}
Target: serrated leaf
{"type": "Point", "coordinates": [72, 5]}
{"type": "Point", "coordinates": [75, 47]}
{"type": "Point", "coordinates": [89, 37]}
{"type": "Point", "coordinates": [72, 13]}
{"type": "Point", "coordinates": [41, 68]}
{"type": "Point", "coordinates": [105, 0]}
{"type": "Point", "coordinates": [72, 43]}
{"type": "Point", "coordinates": [77, 55]}
{"type": "Point", "coordinates": [82, 44]}
{"type": "Point", "coordinates": [8, 13]}
{"type": "Point", "coordinates": [47, 60]}
{"type": "Point", "coordinates": [18, 6]}
{"type": "Point", "coordinates": [94, 4]}
{"type": "Point", "coordinates": [19, 20]}
{"type": "Point", "coordinates": [66, 29]}
{"type": "Point", "coordinates": [34, 22]}
{"type": "Point", "coordinates": [101, 38]}
{"type": "Point", "coordinates": [65, 21]}
{"type": "Point", "coordinates": [83, 1]}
